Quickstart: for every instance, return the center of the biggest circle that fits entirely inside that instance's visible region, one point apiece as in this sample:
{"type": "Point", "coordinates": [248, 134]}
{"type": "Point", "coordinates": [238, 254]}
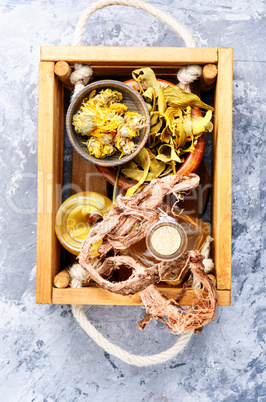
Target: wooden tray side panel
{"type": "Point", "coordinates": [222, 169]}
{"type": "Point", "coordinates": [129, 55]}
{"type": "Point", "coordinates": [50, 150]}
{"type": "Point", "coordinates": [98, 296]}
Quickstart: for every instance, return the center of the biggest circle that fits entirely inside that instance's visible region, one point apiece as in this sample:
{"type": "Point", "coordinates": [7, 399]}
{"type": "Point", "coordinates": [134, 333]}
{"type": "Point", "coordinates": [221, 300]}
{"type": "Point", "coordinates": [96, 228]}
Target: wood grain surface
{"type": "Point", "coordinates": [98, 296]}
{"type": "Point", "coordinates": [222, 170]}
{"type": "Point", "coordinates": [130, 55]}
{"type": "Point", "coordinates": [50, 171]}
{"type": "Point", "coordinates": [86, 177]}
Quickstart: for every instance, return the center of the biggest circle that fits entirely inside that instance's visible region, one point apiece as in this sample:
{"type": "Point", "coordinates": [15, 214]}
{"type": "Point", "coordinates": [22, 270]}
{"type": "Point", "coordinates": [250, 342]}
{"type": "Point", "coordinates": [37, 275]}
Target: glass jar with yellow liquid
{"type": "Point", "coordinates": [77, 215]}
{"type": "Point", "coordinates": [167, 239]}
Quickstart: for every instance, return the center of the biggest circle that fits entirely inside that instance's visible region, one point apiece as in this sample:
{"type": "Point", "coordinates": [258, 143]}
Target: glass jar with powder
{"type": "Point", "coordinates": [168, 239]}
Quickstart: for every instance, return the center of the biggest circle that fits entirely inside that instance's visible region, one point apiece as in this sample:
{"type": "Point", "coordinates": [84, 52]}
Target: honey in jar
{"type": "Point", "coordinates": [77, 215]}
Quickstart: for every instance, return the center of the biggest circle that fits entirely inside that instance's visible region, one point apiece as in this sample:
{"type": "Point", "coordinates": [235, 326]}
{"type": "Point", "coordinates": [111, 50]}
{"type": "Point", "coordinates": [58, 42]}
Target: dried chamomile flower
{"type": "Point", "coordinates": [108, 150]}
{"type": "Point", "coordinates": [83, 123]}
{"type": "Point", "coordinates": [106, 96]}
{"type": "Point", "coordinates": [108, 123]}
{"type": "Point", "coordinates": [126, 131]}
{"type": "Point", "coordinates": [125, 145]}
{"type": "Point", "coordinates": [118, 108]}
{"type": "Point", "coordinates": [135, 121]}
{"type": "Point", "coordinates": [95, 148]}
{"type": "Point", "coordinates": [106, 139]}
{"type": "Point", "coordinates": [98, 149]}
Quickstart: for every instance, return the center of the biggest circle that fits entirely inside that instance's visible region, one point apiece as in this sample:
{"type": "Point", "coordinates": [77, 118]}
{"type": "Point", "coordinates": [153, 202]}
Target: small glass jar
{"type": "Point", "coordinates": [168, 239]}
{"type": "Point", "coordinates": [76, 217]}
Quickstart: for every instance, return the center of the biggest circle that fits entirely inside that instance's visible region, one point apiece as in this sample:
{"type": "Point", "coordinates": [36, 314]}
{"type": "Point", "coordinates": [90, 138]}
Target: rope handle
{"type": "Point", "coordinates": [126, 357]}
{"type": "Point", "coordinates": [82, 73]}
{"type": "Point", "coordinates": [78, 275]}
{"type": "Point", "coordinates": [164, 17]}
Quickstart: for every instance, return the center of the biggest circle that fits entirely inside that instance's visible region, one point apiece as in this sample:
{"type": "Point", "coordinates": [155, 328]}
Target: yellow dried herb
{"type": "Point", "coordinates": [202, 124]}
{"type": "Point", "coordinates": [161, 101]}
{"type": "Point", "coordinates": [142, 159]}
{"type": "Point", "coordinates": [132, 170]}
{"type": "Point", "coordinates": [173, 129]}
{"type": "Point", "coordinates": [176, 97]}
{"type": "Point", "coordinates": [147, 77]}
{"type": "Point", "coordinates": [108, 124]}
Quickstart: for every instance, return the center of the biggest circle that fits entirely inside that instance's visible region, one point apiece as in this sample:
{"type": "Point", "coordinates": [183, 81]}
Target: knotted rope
{"type": "Point", "coordinates": [78, 276]}
{"type": "Point", "coordinates": [82, 74]}
{"type": "Point", "coordinates": [80, 77]}
{"type": "Point", "coordinates": [187, 75]}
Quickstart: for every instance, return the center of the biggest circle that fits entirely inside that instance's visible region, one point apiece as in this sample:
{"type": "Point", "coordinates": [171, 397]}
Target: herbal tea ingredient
{"type": "Point", "coordinates": [166, 240]}
{"type": "Point", "coordinates": [126, 224]}
{"type": "Point", "coordinates": [108, 124]}
{"type": "Point", "coordinates": [174, 129]}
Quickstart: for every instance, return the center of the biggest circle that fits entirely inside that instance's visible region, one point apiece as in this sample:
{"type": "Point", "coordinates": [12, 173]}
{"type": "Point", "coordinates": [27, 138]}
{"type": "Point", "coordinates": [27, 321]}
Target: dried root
{"type": "Point", "coordinates": [175, 317]}
{"type": "Point", "coordinates": [130, 219]}
{"type": "Point", "coordinates": [127, 223]}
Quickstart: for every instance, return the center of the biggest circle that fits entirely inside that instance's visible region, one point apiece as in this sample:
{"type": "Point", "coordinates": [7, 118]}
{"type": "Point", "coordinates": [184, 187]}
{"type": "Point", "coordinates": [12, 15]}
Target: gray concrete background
{"type": "Point", "coordinates": [45, 355]}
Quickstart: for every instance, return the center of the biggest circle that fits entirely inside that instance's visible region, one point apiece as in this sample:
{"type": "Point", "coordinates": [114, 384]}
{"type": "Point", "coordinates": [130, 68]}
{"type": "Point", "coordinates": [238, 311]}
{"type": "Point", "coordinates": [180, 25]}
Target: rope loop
{"type": "Point", "coordinates": [78, 275]}
{"type": "Point", "coordinates": [187, 75]}
{"type": "Point", "coordinates": [123, 355]}
{"type": "Point", "coordinates": [81, 75]}
{"type": "Point", "coordinates": [164, 17]}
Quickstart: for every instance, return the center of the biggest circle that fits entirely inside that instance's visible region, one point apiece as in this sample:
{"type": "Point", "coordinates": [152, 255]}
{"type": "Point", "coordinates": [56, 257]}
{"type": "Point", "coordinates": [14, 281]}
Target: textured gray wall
{"type": "Point", "coordinates": [45, 355]}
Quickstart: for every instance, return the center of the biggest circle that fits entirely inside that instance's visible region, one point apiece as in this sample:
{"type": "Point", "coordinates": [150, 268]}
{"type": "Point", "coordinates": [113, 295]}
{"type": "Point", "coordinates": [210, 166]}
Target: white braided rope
{"type": "Point", "coordinates": [123, 355]}
{"type": "Point", "coordinates": [78, 275]}
{"type": "Point", "coordinates": [98, 5]}
{"type": "Point", "coordinates": [187, 75]}
{"type": "Point", "coordinates": [82, 74]}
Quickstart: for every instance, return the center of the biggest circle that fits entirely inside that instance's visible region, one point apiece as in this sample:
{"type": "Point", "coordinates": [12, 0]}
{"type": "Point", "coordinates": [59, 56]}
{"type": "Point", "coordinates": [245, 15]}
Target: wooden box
{"type": "Point", "coordinates": [116, 62]}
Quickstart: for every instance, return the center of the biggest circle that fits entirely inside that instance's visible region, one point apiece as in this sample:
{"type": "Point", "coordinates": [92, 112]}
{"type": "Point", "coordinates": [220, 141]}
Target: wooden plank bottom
{"type": "Point", "coordinates": [97, 296]}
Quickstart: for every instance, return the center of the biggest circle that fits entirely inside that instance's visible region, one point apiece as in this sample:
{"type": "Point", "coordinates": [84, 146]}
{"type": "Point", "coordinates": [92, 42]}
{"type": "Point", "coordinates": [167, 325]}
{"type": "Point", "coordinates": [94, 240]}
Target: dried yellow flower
{"type": "Point", "coordinates": [108, 124]}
